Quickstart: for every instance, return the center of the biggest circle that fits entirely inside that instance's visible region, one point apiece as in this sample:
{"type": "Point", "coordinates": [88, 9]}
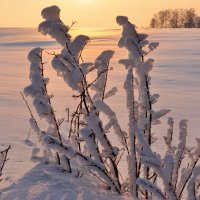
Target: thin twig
{"type": "Point", "coordinates": [5, 157]}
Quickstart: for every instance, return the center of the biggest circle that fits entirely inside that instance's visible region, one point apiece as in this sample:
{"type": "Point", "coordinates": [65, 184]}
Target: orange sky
{"type": "Point", "coordinates": [88, 13]}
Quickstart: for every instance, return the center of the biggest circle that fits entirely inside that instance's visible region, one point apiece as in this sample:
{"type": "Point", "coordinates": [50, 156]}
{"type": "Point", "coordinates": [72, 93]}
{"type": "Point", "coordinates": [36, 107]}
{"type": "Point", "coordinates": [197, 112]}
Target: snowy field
{"type": "Point", "coordinates": [175, 77]}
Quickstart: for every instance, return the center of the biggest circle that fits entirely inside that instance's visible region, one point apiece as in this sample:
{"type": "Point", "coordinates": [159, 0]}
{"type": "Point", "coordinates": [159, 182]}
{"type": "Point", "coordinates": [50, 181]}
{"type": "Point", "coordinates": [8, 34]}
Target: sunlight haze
{"type": "Point", "coordinates": [88, 13]}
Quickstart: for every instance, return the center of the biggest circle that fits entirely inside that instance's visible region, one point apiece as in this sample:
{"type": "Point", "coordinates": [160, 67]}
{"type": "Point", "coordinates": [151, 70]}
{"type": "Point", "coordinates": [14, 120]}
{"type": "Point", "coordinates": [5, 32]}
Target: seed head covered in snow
{"type": "Point", "coordinates": [78, 44]}
{"type": "Point", "coordinates": [128, 30]}
{"type": "Point", "coordinates": [145, 67]}
{"type": "Point", "coordinates": [158, 114]}
{"type": "Point", "coordinates": [101, 64]}
{"type": "Point", "coordinates": [111, 92]}
{"type": "Point", "coordinates": [34, 56]}
{"type": "Point", "coordinates": [38, 82]}
{"type": "Point", "coordinates": [154, 98]}
{"type": "Point", "coordinates": [67, 63]}
{"type": "Point", "coordinates": [105, 57]}
{"type": "Point", "coordinates": [153, 45]}
{"type": "Point", "coordinates": [121, 20]}
{"type": "Point", "coordinates": [142, 37]}
{"type": "Point", "coordinates": [51, 13]}
{"type": "Point", "coordinates": [54, 26]}
{"type": "Point", "coordinates": [127, 63]}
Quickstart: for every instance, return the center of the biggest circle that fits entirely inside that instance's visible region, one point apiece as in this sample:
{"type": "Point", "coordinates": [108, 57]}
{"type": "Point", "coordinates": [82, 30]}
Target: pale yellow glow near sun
{"type": "Point", "coordinates": [86, 1]}
{"type": "Point", "coordinates": [88, 13]}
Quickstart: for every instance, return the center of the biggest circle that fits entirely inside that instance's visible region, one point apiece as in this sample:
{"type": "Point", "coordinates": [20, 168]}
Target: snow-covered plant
{"type": "Point", "coordinates": [3, 158]}
{"type": "Point", "coordinates": [85, 146]}
{"type": "Point", "coordinates": [147, 168]}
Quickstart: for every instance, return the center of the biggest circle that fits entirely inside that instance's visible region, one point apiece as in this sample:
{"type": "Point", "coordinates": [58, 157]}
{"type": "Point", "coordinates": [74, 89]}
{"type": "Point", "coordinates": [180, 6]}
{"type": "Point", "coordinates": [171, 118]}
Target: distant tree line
{"type": "Point", "coordinates": [178, 18]}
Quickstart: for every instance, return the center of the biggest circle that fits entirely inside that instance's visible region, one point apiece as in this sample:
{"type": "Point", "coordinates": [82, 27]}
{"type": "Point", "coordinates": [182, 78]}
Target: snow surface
{"type": "Point", "coordinates": [48, 182]}
{"type": "Point", "coordinates": [175, 77]}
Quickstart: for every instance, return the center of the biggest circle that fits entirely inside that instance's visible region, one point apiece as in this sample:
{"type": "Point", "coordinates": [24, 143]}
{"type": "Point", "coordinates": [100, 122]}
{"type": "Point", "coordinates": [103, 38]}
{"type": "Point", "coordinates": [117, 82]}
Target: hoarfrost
{"type": "Point", "coordinates": [54, 26]}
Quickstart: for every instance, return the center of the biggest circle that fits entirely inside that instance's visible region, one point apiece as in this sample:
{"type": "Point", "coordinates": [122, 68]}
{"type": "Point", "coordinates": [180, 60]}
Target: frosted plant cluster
{"type": "Point", "coordinates": [86, 148]}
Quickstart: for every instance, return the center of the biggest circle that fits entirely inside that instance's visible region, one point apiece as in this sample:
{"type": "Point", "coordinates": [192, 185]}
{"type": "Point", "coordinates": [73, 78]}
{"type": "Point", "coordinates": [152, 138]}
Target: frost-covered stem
{"type": "Point", "coordinates": [78, 120]}
{"type": "Point", "coordinates": [95, 125]}
{"type": "Point", "coordinates": [29, 109]}
{"type": "Point", "coordinates": [188, 176]}
{"type": "Point", "coordinates": [31, 113]}
{"type": "Point", "coordinates": [52, 113]}
{"type": "Point", "coordinates": [148, 112]}
{"type": "Point", "coordinates": [105, 81]}
{"type": "Point", "coordinates": [49, 101]}
{"type": "Point", "coordinates": [192, 189]}
{"type": "Point", "coordinates": [169, 137]}
{"type": "Point", "coordinates": [97, 149]}
{"type": "Point", "coordinates": [93, 174]}
{"type": "Point", "coordinates": [112, 161]}
{"type": "Point", "coordinates": [151, 188]}
{"type": "Point", "coordinates": [102, 75]}
{"type": "Point", "coordinates": [74, 116]}
{"type": "Point", "coordinates": [89, 137]}
{"type": "Point", "coordinates": [148, 129]}
{"type": "Point", "coordinates": [85, 102]}
{"type": "Point", "coordinates": [120, 157]}
{"type": "Point", "coordinates": [39, 132]}
{"type": "Point", "coordinates": [4, 155]}
{"type": "Point", "coordinates": [180, 152]}
{"type": "Point", "coordinates": [132, 160]}
{"type": "Point", "coordinates": [116, 172]}
{"type": "Point", "coordinates": [145, 113]}
{"type": "Point", "coordinates": [170, 190]}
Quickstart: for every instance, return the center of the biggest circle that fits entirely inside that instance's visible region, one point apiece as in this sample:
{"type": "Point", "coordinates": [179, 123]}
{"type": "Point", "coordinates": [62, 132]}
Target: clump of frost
{"type": "Point", "coordinates": [54, 26]}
